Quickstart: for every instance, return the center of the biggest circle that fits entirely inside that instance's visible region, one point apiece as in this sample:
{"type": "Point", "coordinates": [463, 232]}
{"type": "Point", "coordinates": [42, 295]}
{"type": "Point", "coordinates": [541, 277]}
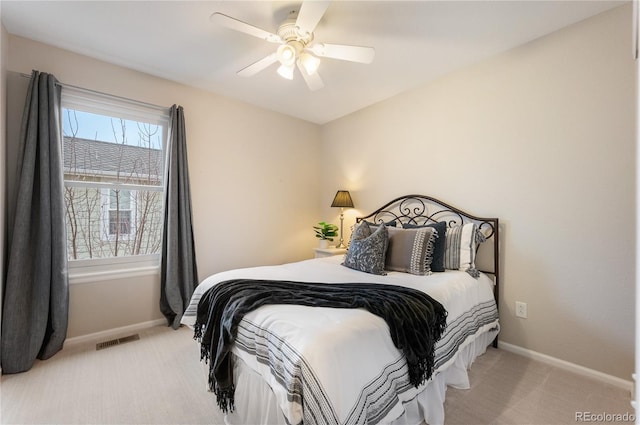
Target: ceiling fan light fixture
{"type": "Point", "coordinates": [309, 62]}
{"type": "Point", "coordinates": [296, 44]}
{"type": "Point", "coordinates": [287, 55]}
{"type": "Point", "coordinates": [286, 71]}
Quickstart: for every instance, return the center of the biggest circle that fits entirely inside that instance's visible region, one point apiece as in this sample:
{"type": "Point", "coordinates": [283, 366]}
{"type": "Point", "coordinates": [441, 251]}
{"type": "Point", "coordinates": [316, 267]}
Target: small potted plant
{"type": "Point", "coordinates": [325, 232]}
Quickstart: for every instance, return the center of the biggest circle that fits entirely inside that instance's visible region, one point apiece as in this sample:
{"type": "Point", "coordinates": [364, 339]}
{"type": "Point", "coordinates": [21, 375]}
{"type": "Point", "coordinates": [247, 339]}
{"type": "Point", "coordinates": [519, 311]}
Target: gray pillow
{"type": "Point", "coordinates": [361, 231]}
{"type": "Point", "coordinates": [392, 223]}
{"type": "Point", "coordinates": [367, 251]}
{"type": "Point", "coordinates": [411, 250]}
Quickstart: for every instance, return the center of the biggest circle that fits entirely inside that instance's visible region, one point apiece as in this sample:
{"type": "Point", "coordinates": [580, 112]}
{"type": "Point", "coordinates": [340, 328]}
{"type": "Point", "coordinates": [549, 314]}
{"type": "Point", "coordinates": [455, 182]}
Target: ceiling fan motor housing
{"type": "Point", "coordinates": [288, 31]}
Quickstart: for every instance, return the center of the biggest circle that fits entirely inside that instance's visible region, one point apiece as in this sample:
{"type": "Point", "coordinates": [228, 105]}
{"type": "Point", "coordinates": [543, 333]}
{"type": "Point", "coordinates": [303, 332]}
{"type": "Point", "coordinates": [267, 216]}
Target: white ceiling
{"type": "Point", "coordinates": [415, 41]}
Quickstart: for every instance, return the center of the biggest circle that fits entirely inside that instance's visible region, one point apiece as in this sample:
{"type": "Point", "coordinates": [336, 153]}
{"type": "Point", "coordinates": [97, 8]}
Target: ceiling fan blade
{"type": "Point", "coordinates": [311, 11]}
{"type": "Point", "coordinates": [235, 24]}
{"type": "Point", "coordinates": [314, 82]}
{"type": "Point", "coordinates": [344, 52]}
{"type": "Point", "coordinates": [258, 66]}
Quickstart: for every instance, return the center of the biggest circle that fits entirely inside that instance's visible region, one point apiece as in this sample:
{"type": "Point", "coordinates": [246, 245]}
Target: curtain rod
{"type": "Point", "coordinates": [113, 96]}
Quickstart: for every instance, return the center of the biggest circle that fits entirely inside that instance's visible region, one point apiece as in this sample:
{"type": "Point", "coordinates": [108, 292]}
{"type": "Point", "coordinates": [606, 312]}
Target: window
{"type": "Point", "coordinates": [119, 212]}
{"type": "Point", "coordinates": [117, 215]}
{"type": "Point", "coordinates": [113, 174]}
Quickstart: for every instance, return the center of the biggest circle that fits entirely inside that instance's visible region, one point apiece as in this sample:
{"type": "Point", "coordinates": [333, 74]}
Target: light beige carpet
{"type": "Point", "coordinates": [156, 380]}
{"type": "Point", "coordinates": [507, 388]}
{"type": "Point", "coordinates": [159, 380]}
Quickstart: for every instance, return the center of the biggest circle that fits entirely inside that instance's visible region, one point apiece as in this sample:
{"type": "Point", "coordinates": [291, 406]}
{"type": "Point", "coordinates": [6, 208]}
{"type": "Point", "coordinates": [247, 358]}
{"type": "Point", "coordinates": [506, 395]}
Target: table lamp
{"type": "Point", "coordinates": [342, 200]}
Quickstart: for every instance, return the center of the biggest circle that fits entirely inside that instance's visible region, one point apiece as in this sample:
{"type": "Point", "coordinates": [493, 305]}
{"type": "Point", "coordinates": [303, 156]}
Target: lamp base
{"type": "Point", "coordinates": [341, 244]}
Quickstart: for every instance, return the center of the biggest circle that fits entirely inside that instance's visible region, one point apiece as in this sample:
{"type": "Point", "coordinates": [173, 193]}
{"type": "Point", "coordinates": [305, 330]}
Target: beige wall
{"type": "Point", "coordinates": [254, 180]}
{"type": "Point", "coordinates": [542, 137]}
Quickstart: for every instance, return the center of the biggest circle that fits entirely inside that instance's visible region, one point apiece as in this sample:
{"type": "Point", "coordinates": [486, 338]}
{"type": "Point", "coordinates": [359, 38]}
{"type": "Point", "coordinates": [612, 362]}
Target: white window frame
{"type": "Point", "coordinates": [105, 213]}
{"type": "Point", "coordinates": [98, 269]}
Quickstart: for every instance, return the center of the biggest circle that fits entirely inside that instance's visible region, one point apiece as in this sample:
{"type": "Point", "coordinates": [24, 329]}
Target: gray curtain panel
{"type": "Point", "coordinates": [178, 271]}
{"type": "Point", "coordinates": [36, 290]}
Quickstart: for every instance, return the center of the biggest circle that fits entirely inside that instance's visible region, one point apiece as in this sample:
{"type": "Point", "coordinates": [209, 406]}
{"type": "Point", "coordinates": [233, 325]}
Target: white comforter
{"type": "Point", "coordinates": [342, 362]}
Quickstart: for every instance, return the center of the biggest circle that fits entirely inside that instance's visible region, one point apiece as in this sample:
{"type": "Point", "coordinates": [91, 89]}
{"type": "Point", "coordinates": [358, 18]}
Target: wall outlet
{"type": "Point", "coordinates": [521, 309]}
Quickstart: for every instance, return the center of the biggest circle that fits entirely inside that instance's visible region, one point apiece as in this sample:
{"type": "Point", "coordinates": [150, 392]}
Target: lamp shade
{"type": "Point", "coordinates": [286, 54]}
{"type": "Point", "coordinates": [342, 199]}
{"type": "Point", "coordinates": [286, 71]}
{"type": "Point", "coordinates": [309, 62]}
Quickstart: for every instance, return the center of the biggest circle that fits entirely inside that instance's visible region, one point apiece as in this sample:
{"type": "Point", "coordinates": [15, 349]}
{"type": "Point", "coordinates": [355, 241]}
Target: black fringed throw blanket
{"type": "Point", "coordinates": [416, 321]}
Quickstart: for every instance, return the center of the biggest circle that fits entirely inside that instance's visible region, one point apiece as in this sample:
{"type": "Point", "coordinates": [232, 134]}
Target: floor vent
{"type": "Point", "coordinates": [117, 341]}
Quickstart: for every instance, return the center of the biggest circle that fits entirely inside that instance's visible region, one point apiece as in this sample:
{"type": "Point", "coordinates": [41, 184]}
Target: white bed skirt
{"type": "Point", "coordinates": [255, 403]}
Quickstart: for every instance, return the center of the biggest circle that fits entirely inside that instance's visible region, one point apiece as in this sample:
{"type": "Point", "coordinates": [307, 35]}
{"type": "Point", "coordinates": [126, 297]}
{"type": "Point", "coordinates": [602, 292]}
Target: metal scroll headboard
{"type": "Point", "coordinates": [421, 209]}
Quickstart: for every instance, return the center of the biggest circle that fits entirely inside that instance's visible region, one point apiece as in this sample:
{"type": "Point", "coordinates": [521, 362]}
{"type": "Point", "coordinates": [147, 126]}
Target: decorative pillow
{"type": "Point", "coordinates": [461, 246]}
{"type": "Point", "coordinates": [391, 223]}
{"type": "Point", "coordinates": [367, 250]}
{"type": "Point", "coordinates": [361, 231]}
{"type": "Point", "coordinates": [437, 265]}
{"type": "Point", "coordinates": [411, 250]}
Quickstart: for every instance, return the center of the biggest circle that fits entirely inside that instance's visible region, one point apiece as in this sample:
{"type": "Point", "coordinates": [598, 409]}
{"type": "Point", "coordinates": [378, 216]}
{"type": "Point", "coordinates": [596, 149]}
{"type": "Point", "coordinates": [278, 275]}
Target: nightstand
{"type": "Point", "coordinates": [328, 252]}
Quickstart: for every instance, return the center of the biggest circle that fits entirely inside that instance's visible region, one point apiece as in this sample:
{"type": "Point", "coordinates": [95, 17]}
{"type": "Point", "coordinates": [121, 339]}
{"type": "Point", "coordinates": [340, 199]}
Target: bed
{"type": "Point", "coordinates": [295, 364]}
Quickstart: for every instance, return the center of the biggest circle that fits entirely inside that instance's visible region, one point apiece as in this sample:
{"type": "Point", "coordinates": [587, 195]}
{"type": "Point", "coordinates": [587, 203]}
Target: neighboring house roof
{"type": "Point", "coordinates": [113, 160]}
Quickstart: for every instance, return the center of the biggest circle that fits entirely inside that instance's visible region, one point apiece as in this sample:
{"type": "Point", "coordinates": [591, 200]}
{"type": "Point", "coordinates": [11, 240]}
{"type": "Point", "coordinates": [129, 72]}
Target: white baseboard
{"type": "Point", "coordinates": [571, 367]}
{"type": "Point", "coordinates": [111, 333]}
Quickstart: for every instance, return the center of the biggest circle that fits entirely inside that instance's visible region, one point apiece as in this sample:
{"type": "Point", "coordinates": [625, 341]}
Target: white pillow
{"type": "Point", "coordinates": [461, 247]}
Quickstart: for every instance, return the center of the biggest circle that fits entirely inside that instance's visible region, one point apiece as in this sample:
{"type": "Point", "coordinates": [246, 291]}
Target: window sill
{"type": "Point", "coordinates": [79, 278]}
{"type": "Point", "coordinates": [98, 270]}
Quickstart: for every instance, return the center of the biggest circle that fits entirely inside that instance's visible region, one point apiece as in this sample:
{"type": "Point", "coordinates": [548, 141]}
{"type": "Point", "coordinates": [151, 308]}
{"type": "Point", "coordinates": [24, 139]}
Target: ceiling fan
{"type": "Point", "coordinates": [297, 46]}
